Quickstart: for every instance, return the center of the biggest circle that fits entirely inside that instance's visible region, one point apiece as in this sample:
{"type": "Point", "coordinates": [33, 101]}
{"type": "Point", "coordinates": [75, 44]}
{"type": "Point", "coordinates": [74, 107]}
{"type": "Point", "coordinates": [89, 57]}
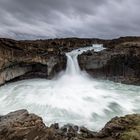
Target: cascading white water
{"type": "Point", "coordinates": [72, 62]}
{"type": "Point", "coordinates": [72, 97]}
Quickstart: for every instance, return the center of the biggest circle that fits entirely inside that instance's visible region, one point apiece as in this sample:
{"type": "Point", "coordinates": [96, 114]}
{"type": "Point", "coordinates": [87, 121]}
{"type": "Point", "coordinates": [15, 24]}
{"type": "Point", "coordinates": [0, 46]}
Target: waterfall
{"type": "Point", "coordinates": [73, 97]}
{"type": "Point", "coordinates": [72, 62]}
{"type": "Point", "coordinates": [72, 65]}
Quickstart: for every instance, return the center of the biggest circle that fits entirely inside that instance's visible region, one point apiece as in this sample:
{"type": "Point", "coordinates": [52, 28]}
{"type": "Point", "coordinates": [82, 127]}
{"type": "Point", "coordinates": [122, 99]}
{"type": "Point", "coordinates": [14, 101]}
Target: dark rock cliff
{"type": "Point", "coordinates": [28, 60]}
{"type": "Point", "coordinates": [120, 62]}
{"type": "Point", "coordinates": [45, 58]}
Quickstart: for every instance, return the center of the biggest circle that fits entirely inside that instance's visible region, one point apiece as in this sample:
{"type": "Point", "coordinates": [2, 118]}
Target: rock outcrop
{"type": "Point", "coordinates": [122, 128]}
{"type": "Point", "coordinates": [28, 60]}
{"type": "Point", "coordinates": [45, 58]}
{"type": "Point", "coordinates": [119, 62]}
{"type": "Point", "coordinates": [20, 125]}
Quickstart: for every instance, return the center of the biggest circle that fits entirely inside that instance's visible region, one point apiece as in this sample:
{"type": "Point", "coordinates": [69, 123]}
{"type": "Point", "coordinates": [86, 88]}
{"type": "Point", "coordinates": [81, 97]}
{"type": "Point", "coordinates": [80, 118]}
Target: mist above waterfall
{"type": "Point", "coordinates": [72, 97]}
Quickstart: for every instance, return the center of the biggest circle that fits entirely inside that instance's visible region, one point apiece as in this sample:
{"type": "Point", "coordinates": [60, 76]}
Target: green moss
{"type": "Point", "coordinates": [131, 135]}
{"type": "Point", "coordinates": [133, 130]}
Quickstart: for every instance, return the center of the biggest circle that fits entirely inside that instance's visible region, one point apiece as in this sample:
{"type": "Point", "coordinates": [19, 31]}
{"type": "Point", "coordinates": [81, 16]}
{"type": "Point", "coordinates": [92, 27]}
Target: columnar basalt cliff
{"type": "Point", "coordinates": [45, 58]}
{"type": "Point", "coordinates": [120, 62]}
{"type": "Point", "coordinates": [20, 125]}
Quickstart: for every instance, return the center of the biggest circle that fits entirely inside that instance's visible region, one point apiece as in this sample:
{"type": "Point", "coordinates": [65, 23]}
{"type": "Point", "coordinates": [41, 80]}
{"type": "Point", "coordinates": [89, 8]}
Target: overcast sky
{"type": "Point", "coordinates": [31, 19]}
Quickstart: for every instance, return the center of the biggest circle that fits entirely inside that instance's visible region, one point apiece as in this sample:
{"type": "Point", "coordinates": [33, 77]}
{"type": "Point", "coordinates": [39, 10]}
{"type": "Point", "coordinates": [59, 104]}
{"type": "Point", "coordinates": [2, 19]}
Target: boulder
{"type": "Point", "coordinates": [21, 125]}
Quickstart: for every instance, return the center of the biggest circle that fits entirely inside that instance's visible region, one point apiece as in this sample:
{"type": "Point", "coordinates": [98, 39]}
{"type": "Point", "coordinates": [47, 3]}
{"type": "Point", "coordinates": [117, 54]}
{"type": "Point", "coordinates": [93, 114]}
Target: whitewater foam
{"type": "Point", "coordinates": [73, 97]}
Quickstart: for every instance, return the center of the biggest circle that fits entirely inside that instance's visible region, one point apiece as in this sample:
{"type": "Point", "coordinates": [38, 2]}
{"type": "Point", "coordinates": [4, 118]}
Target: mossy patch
{"type": "Point", "coordinates": [132, 131]}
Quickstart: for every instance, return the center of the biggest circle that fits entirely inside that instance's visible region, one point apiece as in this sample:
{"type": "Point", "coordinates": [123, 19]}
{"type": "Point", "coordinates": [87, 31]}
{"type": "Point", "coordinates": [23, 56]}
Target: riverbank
{"type": "Point", "coordinates": [21, 125]}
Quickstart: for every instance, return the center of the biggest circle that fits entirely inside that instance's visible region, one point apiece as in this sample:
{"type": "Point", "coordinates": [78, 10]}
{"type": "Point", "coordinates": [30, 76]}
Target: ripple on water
{"type": "Point", "coordinates": [72, 97]}
{"type": "Point", "coordinates": [78, 104]}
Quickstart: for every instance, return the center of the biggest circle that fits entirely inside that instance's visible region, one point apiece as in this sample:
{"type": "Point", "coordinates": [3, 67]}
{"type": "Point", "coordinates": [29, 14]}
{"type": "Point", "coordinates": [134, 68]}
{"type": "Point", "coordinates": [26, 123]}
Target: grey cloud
{"type": "Point", "coordinates": [30, 19]}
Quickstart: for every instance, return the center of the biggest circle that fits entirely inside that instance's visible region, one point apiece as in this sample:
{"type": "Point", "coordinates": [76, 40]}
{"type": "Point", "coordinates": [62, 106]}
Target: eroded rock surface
{"type": "Point", "coordinates": [120, 63]}
{"type": "Point", "coordinates": [45, 58]}
{"type": "Point", "coordinates": [28, 60]}
{"type": "Point", "coordinates": [20, 125]}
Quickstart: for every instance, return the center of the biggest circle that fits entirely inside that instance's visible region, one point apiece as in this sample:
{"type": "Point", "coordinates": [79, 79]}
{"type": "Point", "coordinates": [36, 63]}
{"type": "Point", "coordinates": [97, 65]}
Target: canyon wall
{"type": "Point", "coordinates": [45, 58]}
{"type": "Point", "coordinates": [29, 60]}
{"type": "Point", "coordinates": [119, 62]}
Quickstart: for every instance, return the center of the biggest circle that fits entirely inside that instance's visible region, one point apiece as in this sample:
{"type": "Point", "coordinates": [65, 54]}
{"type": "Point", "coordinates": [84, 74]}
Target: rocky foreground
{"type": "Point", "coordinates": [45, 58]}
{"type": "Point", "coordinates": [20, 125]}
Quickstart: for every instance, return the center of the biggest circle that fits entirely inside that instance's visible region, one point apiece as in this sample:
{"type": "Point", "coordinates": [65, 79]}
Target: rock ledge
{"type": "Point", "coordinates": [20, 125]}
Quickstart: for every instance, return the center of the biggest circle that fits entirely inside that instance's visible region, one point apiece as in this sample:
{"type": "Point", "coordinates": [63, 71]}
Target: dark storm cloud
{"type": "Point", "coordinates": [27, 19]}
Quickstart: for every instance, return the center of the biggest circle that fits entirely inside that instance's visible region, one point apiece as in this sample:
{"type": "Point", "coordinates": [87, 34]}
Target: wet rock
{"type": "Point", "coordinates": [87, 133]}
{"type": "Point", "coordinates": [120, 63]}
{"type": "Point", "coordinates": [69, 130]}
{"type": "Point", "coordinates": [76, 128]}
{"type": "Point", "coordinates": [20, 125]}
{"type": "Point", "coordinates": [55, 126]}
